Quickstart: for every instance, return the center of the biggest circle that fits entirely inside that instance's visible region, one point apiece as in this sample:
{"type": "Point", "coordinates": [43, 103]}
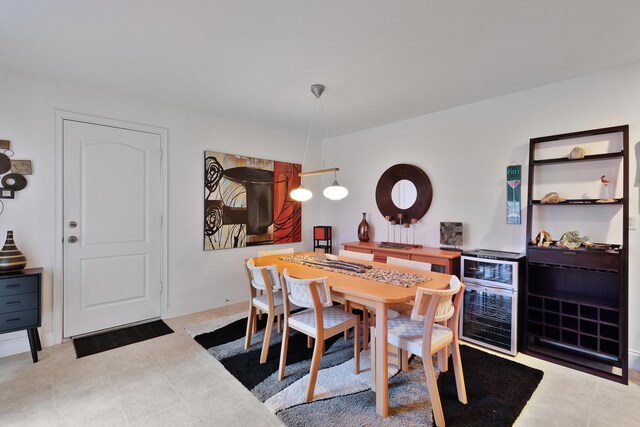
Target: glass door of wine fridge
{"type": "Point", "coordinates": [488, 317]}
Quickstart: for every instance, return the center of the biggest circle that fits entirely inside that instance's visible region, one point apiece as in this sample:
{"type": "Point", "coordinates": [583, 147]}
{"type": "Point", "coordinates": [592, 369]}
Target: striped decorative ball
{"type": "Point", "coordinates": [11, 259]}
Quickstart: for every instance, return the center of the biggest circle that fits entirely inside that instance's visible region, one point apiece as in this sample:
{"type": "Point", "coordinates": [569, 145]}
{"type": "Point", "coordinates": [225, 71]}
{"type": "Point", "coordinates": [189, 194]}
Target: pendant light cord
{"type": "Point", "coordinates": [326, 129]}
{"type": "Point", "coordinates": [306, 148]}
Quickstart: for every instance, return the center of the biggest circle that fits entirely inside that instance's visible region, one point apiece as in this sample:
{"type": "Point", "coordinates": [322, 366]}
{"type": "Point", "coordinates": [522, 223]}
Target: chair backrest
{"type": "Point", "coordinates": [426, 266]}
{"type": "Point", "coordinates": [261, 281]}
{"type": "Point", "coordinates": [439, 299]}
{"type": "Point", "coordinates": [276, 252]}
{"type": "Point", "coordinates": [354, 254]}
{"type": "Point", "coordinates": [309, 293]}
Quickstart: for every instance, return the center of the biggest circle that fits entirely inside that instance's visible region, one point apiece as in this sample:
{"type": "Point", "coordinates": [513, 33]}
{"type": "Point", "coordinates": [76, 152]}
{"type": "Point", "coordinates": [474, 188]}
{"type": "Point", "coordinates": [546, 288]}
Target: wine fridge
{"type": "Point", "coordinates": [489, 315]}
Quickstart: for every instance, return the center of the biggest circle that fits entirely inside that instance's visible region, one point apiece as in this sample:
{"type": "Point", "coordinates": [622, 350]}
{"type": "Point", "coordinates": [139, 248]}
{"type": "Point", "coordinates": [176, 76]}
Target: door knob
{"type": "Point", "coordinates": [73, 239]}
{"type": "Point", "coordinates": [73, 224]}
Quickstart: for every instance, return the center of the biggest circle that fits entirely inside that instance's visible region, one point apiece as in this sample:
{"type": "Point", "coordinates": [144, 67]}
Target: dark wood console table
{"type": "Point", "coordinates": [442, 261]}
{"type": "Point", "coordinates": [20, 305]}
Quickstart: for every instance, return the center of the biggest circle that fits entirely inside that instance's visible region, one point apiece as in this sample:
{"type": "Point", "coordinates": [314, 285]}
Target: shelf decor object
{"type": "Point", "coordinates": [450, 235]}
{"type": "Point", "coordinates": [335, 191]}
{"type": "Point", "coordinates": [363, 229]}
{"type": "Point", "coordinates": [575, 308]}
{"type": "Point", "coordinates": [11, 259]}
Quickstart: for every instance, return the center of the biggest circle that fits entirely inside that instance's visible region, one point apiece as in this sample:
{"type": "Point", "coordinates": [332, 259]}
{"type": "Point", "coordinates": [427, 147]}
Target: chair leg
{"type": "Point", "coordinates": [347, 308]}
{"type": "Point", "coordinates": [403, 359]}
{"type": "Point", "coordinates": [267, 338]}
{"type": "Point", "coordinates": [283, 351]}
{"type": "Point", "coordinates": [309, 342]}
{"type": "Point", "coordinates": [279, 327]}
{"type": "Point", "coordinates": [365, 328]}
{"type": "Point", "coordinates": [373, 357]}
{"type": "Point", "coordinates": [457, 369]}
{"type": "Point", "coordinates": [313, 373]}
{"type": "Point", "coordinates": [356, 347]}
{"type": "Point", "coordinates": [443, 362]}
{"type": "Point", "coordinates": [251, 325]}
{"type": "Point", "coordinates": [438, 416]}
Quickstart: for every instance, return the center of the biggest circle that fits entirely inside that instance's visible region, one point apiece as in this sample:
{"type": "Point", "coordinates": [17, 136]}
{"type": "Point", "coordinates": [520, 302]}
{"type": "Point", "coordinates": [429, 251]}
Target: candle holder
{"type": "Point", "coordinates": [405, 223]}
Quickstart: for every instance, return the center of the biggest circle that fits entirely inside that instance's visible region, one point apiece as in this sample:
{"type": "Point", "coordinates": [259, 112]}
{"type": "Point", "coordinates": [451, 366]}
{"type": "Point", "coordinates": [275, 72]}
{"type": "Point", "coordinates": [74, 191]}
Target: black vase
{"type": "Point", "coordinates": [11, 259]}
{"type": "Point", "coordinates": [363, 229]}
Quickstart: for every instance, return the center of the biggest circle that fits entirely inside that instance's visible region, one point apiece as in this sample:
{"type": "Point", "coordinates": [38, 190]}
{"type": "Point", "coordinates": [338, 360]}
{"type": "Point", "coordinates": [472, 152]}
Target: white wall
{"type": "Point", "coordinates": [196, 280]}
{"type": "Point", "coordinates": [465, 152]}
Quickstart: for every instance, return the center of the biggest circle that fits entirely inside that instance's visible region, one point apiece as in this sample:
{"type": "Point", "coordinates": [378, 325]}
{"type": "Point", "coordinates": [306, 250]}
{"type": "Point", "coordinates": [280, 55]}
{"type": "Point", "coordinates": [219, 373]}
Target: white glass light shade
{"type": "Point", "coordinates": [335, 191]}
{"type": "Point", "coordinates": [301, 194]}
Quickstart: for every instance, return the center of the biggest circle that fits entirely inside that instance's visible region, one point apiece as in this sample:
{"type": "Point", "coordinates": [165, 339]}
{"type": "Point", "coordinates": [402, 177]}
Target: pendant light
{"type": "Point", "coordinates": [333, 192]}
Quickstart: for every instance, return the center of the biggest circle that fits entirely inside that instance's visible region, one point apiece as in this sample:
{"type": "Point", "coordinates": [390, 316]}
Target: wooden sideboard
{"type": "Point", "coordinates": [441, 260]}
{"type": "Point", "coordinates": [20, 296]}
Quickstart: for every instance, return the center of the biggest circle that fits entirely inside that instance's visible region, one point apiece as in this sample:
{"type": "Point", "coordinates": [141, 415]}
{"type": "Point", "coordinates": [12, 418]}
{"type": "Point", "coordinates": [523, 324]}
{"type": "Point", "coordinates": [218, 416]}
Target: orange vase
{"type": "Point", "coordinates": [11, 259]}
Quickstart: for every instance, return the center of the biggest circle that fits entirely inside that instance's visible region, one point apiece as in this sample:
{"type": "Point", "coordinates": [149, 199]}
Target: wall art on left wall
{"type": "Point", "coordinates": [247, 203]}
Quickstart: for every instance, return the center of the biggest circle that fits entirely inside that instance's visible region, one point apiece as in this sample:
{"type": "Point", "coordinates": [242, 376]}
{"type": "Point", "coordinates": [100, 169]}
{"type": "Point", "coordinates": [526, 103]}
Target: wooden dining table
{"type": "Point", "coordinates": [369, 293]}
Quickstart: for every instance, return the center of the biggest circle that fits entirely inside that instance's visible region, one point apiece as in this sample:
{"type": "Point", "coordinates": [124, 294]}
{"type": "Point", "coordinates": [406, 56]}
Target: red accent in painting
{"type": "Point", "coordinates": [287, 213]}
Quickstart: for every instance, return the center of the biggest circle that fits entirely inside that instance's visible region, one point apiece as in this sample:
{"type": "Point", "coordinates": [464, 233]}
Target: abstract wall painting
{"type": "Point", "coordinates": [513, 194]}
{"type": "Point", "coordinates": [247, 203]}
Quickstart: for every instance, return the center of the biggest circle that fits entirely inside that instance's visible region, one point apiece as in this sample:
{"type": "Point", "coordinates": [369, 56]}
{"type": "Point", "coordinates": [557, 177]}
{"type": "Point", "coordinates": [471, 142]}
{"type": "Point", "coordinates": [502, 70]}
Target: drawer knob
{"type": "Point", "coordinates": [72, 239]}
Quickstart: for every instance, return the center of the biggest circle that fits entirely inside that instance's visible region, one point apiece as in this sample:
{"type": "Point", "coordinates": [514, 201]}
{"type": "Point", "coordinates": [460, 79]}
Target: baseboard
{"type": "Point", "coordinates": [634, 360]}
{"type": "Point", "coordinates": [14, 343]}
{"type": "Point", "coordinates": [190, 308]}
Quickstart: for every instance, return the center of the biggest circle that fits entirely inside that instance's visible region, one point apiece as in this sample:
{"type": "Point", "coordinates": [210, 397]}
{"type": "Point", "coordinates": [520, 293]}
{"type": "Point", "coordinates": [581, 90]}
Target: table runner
{"type": "Point", "coordinates": [392, 277]}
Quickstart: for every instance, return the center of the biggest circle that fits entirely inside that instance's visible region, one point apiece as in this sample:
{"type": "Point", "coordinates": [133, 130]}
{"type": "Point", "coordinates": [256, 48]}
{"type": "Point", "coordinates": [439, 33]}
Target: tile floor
{"type": "Point", "coordinates": [172, 381]}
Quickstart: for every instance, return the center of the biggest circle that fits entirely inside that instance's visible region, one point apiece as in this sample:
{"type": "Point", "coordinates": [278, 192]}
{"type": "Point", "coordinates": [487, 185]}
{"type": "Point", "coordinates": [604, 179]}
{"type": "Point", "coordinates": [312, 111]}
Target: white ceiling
{"type": "Point", "coordinates": [254, 60]}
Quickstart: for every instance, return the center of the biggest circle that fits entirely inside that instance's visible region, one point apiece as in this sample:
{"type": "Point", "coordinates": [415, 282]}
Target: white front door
{"type": "Point", "coordinates": [112, 226]}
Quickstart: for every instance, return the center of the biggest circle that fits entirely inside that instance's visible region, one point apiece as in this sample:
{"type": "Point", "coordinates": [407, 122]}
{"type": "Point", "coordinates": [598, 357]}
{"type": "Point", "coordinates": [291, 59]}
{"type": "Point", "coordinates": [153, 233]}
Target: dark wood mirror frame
{"type": "Point", "coordinates": [424, 192]}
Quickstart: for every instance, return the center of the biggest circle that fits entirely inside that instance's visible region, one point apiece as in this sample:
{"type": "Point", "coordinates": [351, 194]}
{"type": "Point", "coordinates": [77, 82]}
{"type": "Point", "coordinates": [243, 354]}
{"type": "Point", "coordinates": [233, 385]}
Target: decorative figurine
{"type": "Point", "coordinates": [543, 239]}
{"type": "Point", "coordinates": [605, 183]}
{"type": "Point", "coordinates": [577, 153]}
{"type": "Point", "coordinates": [552, 197]}
{"type": "Point", "coordinates": [573, 240]}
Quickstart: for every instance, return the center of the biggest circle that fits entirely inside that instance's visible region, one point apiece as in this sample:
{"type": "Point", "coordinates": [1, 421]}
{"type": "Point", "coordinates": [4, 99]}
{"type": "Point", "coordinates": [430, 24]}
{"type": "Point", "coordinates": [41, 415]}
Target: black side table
{"type": "Point", "coordinates": [20, 305]}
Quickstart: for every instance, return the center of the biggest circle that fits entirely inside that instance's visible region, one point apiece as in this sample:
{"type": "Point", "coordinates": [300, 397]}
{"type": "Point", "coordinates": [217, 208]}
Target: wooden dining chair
{"type": "Point", "coordinates": [349, 305]}
{"type": "Point", "coordinates": [419, 265]}
{"type": "Point", "coordinates": [421, 334]}
{"type": "Point", "coordinates": [354, 254]}
{"type": "Point", "coordinates": [267, 280]}
{"type": "Point", "coordinates": [426, 266]}
{"type": "Point", "coordinates": [276, 252]}
{"type": "Point", "coordinates": [320, 321]}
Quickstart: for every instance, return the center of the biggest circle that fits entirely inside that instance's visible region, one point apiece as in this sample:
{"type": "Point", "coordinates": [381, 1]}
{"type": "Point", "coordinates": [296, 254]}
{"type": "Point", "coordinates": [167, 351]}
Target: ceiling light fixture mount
{"type": "Point", "coordinates": [335, 191]}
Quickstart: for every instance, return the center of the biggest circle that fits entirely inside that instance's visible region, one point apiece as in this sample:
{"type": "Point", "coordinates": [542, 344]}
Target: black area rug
{"type": "Point", "coordinates": [98, 343]}
{"type": "Point", "coordinates": [497, 388]}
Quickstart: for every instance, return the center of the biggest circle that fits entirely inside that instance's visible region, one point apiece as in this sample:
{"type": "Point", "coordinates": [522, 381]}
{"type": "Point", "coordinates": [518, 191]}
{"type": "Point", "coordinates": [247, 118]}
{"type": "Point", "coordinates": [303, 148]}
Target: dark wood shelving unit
{"type": "Point", "coordinates": [603, 156]}
{"type": "Point", "coordinates": [576, 303]}
{"type": "Point", "coordinates": [579, 202]}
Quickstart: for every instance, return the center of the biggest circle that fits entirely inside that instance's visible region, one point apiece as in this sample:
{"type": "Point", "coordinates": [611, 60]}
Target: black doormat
{"type": "Point", "coordinates": [93, 344]}
{"type": "Point", "coordinates": [497, 389]}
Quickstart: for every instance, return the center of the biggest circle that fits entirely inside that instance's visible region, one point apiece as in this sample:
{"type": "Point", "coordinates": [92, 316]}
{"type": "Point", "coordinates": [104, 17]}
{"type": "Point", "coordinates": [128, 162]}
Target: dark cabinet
{"type": "Point", "coordinates": [576, 300]}
{"type": "Point", "coordinates": [20, 305]}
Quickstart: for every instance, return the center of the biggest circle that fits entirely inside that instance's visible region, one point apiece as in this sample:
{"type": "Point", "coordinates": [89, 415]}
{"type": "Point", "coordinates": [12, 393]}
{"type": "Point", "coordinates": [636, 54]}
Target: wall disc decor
{"type": "Point", "coordinates": [391, 177]}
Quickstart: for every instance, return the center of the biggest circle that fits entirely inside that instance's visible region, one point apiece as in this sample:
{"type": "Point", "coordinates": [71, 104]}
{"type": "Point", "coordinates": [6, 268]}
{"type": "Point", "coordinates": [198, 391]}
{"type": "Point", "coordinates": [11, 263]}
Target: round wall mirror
{"type": "Point", "coordinates": [404, 194]}
{"type": "Point", "coordinates": [418, 193]}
